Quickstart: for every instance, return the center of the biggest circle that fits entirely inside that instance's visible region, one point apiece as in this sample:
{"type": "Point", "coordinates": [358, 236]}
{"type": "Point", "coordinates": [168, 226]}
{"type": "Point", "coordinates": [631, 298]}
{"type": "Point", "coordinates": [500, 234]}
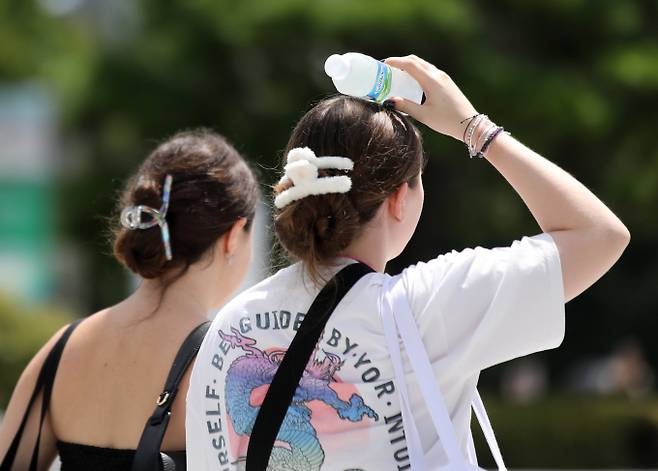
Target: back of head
{"type": "Point", "coordinates": [387, 151]}
{"type": "Point", "coordinates": [212, 187]}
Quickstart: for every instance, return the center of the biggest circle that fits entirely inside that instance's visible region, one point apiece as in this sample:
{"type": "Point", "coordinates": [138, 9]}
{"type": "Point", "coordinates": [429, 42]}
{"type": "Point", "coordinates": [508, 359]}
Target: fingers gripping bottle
{"type": "Point", "coordinates": [362, 76]}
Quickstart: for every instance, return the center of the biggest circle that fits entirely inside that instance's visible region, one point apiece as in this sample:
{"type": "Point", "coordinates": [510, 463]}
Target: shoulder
{"type": "Point", "coordinates": [479, 269]}
{"type": "Point", "coordinates": [31, 371]}
{"type": "Point", "coordinates": [23, 390]}
{"type": "Point", "coordinates": [524, 250]}
{"type": "Point", "coordinates": [264, 290]}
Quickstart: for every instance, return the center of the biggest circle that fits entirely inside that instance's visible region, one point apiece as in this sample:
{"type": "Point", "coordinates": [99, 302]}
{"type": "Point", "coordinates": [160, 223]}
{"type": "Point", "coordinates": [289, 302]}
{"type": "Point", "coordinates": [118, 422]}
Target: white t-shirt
{"type": "Point", "coordinates": [475, 308]}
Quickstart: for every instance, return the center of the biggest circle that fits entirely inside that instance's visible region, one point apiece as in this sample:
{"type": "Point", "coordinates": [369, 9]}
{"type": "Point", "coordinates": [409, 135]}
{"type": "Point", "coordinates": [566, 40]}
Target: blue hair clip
{"type": "Point", "coordinates": [131, 217]}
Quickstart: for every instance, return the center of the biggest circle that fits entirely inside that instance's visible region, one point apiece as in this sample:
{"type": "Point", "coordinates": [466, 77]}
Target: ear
{"type": "Point", "coordinates": [397, 201]}
{"type": "Point", "coordinates": [233, 235]}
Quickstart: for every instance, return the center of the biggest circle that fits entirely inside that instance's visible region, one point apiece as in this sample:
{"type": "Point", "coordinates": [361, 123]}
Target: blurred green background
{"type": "Point", "coordinates": [88, 87]}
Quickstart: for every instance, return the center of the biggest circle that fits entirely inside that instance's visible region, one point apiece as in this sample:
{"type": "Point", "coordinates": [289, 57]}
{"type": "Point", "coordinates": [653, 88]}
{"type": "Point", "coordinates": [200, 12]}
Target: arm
{"type": "Point", "coordinates": [589, 237]}
{"type": "Point", "coordinates": [16, 409]}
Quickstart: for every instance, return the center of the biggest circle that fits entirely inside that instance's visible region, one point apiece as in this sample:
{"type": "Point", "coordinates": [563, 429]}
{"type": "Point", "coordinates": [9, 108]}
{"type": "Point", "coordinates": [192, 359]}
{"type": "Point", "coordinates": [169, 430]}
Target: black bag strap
{"type": "Point", "coordinates": [147, 456]}
{"type": "Point", "coordinates": [286, 379]}
{"type": "Point", "coordinates": [44, 383]}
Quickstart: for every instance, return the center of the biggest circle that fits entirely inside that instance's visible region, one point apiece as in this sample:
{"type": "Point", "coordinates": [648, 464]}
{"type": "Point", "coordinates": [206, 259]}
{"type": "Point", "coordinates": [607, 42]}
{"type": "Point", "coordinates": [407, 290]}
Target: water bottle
{"type": "Point", "coordinates": [362, 76]}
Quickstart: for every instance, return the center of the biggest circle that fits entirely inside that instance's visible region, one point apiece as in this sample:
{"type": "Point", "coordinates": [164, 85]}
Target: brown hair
{"type": "Point", "coordinates": [212, 188]}
{"type": "Point", "coordinates": [387, 151]}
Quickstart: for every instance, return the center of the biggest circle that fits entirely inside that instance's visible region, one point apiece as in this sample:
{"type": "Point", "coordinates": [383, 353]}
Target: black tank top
{"type": "Point", "coordinates": [77, 457]}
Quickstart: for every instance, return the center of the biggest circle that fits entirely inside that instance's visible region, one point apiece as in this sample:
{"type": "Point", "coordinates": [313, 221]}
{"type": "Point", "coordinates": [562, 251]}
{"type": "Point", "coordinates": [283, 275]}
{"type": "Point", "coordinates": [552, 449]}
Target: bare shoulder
{"type": "Point", "coordinates": [28, 378]}
{"type": "Point", "coordinates": [23, 392]}
{"type": "Point", "coordinates": [82, 333]}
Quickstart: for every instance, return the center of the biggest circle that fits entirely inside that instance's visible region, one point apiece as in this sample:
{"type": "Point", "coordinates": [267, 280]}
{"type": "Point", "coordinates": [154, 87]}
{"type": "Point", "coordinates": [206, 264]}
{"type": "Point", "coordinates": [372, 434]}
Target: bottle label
{"type": "Point", "coordinates": [382, 86]}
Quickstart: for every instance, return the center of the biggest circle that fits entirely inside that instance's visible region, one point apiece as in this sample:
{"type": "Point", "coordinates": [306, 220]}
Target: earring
{"type": "Point", "coordinates": [229, 259]}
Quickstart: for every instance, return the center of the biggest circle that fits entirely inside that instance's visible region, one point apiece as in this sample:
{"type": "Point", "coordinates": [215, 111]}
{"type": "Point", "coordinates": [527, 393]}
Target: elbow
{"type": "Point", "coordinates": [627, 236]}
{"type": "Point", "coordinates": [619, 237]}
{"type": "Point", "coordinates": [610, 240]}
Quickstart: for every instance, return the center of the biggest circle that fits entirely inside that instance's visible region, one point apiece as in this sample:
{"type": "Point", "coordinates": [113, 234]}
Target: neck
{"type": "Point", "coordinates": [193, 294]}
{"type": "Point", "coordinates": [370, 248]}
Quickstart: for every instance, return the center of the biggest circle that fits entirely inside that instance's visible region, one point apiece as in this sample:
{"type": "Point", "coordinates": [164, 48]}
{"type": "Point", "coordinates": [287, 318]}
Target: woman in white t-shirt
{"type": "Point", "coordinates": [475, 308]}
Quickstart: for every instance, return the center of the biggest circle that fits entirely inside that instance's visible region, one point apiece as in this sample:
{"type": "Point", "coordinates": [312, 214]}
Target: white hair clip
{"type": "Point", "coordinates": [302, 169]}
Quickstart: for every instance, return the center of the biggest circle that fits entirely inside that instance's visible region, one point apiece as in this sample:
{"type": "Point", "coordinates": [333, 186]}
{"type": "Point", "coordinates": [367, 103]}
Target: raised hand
{"type": "Point", "coordinates": [446, 109]}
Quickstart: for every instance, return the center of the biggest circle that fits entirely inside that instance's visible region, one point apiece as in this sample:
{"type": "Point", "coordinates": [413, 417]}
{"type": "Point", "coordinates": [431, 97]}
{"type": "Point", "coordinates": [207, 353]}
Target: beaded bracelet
{"type": "Point", "coordinates": [473, 125]}
{"type": "Point", "coordinates": [490, 139]}
{"type": "Point", "coordinates": [466, 128]}
{"type": "Point", "coordinates": [484, 134]}
{"type": "Point", "coordinates": [484, 130]}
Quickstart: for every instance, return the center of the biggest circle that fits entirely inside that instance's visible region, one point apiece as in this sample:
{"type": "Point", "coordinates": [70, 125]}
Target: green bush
{"type": "Point", "coordinates": [573, 432]}
{"type": "Point", "coordinates": [23, 331]}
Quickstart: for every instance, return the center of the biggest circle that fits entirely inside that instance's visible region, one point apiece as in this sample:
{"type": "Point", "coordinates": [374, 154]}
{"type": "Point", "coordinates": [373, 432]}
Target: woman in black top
{"type": "Point", "coordinates": [185, 228]}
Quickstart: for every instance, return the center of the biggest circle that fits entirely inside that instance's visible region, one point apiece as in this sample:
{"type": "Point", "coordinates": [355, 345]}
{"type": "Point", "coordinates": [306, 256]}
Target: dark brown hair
{"type": "Point", "coordinates": [387, 151]}
{"type": "Point", "coordinates": [212, 188]}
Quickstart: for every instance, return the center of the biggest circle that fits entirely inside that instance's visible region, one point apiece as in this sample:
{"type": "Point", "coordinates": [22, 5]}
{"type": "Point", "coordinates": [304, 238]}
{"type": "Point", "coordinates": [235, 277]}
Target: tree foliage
{"type": "Point", "coordinates": [575, 80]}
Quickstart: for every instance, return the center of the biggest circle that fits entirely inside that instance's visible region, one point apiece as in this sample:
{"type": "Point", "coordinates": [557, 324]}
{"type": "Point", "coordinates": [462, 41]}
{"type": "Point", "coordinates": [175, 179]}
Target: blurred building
{"type": "Point", "coordinates": [27, 161]}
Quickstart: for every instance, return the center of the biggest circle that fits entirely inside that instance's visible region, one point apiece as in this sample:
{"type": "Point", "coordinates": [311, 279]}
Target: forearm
{"type": "Point", "coordinates": [556, 199]}
{"type": "Point", "coordinates": [589, 237]}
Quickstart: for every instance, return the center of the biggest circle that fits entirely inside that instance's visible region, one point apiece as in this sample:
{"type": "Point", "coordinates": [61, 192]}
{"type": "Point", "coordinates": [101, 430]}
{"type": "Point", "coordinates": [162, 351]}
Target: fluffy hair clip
{"type": "Point", "coordinates": [302, 170]}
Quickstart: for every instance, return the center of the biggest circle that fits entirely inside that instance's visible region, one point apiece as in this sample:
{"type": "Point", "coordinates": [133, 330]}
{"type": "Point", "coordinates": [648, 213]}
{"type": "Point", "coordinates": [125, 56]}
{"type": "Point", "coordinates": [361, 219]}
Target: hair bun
{"type": "Point", "coordinates": [212, 188]}
{"type": "Point", "coordinates": [146, 192]}
{"type": "Point", "coordinates": [386, 151]}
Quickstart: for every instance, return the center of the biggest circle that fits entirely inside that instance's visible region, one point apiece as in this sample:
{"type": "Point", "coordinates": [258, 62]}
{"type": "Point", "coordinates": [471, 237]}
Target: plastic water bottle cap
{"type": "Point", "coordinates": [336, 67]}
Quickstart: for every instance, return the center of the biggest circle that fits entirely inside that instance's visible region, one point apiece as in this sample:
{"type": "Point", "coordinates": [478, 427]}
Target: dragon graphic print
{"type": "Point", "coordinates": [299, 446]}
